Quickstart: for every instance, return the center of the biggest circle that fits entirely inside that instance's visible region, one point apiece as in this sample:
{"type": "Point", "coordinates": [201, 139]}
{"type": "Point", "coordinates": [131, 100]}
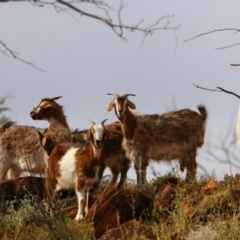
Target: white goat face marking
{"type": "Point", "coordinates": [37, 110]}
{"type": "Point", "coordinates": [39, 107]}
{"type": "Point", "coordinates": [98, 134]}
{"type": "Point", "coordinates": [45, 105]}
{"type": "Point", "coordinates": [120, 109]}
{"type": "Point", "coordinates": [42, 104]}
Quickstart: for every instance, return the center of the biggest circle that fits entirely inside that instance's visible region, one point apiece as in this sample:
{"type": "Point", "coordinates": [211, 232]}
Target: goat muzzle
{"type": "Point", "coordinates": [33, 115]}
{"type": "Point", "coordinates": [120, 114]}
{"type": "Point", "coordinates": [98, 143]}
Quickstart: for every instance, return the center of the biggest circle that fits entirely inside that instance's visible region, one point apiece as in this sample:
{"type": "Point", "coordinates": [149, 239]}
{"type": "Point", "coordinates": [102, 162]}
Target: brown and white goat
{"type": "Point", "coordinates": [50, 111]}
{"type": "Point", "coordinates": [78, 168]}
{"type": "Point", "coordinates": [20, 149]}
{"type": "Point", "coordinates": [173, 135]}
{"type": "Point", "coordinates": [114, 154]}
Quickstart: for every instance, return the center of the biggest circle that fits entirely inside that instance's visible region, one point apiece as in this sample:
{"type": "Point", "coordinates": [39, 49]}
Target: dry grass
{"type": "Point", "coordinates": [199, 213]}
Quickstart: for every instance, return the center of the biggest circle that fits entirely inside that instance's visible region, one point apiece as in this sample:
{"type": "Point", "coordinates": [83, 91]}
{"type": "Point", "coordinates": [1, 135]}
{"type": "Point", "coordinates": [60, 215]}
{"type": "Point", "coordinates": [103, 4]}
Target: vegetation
{"type": "Point", "coordinates": [206, 209]}
{"type": "Point", "coordinates": [3, 109]}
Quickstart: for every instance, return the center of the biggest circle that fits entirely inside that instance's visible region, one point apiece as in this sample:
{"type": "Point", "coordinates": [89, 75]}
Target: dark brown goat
{"type": "Point", "coordinates": [114, 154]}
{"type": "Point", "coordinates": [173, 135]}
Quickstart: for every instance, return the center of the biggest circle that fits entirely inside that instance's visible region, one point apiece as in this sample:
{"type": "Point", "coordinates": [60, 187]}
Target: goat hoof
{"type": "Point", "coordinates": [79, 218]}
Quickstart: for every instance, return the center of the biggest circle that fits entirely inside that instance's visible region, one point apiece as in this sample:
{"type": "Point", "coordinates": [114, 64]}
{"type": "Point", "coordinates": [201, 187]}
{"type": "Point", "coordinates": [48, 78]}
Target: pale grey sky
{"type": "Point", "coordinates": [84, 60]}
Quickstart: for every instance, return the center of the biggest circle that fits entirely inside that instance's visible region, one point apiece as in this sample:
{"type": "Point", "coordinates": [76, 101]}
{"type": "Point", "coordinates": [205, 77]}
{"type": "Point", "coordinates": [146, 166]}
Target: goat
{"type": "Point", "coordinates": [50, 111]}
{"type": "Point", "coordinates": [173, 135]}
{"type": "Point", "coordinates": [114, 154]}
{"type": "Point", "coordinates": [79, 168]}
{"type": "Point", "coordinates": [20, 149]}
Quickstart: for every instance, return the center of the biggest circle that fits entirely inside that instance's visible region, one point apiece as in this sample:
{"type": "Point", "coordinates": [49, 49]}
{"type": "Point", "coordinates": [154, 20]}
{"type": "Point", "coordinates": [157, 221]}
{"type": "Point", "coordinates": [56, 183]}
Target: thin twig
{"type": "Point", "coordinates": [10, 52]}
{"type": "Point", "coordinates": [217, 30]}
{"type": "Point", "coordinates": [229, 92]}
{"type": "Point", "coordinates": [214, 90]}
{"type": "Point", "coordinates": [152, 28]}
{"type": "Point", "coordinates": [219, 89]}
{"type": "Point", "coordinates": [118, 27]}
{"type": "Point", "coordinates": [232, 45]}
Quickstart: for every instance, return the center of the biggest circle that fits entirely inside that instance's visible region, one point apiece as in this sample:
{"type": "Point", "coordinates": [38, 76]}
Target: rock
{"type": "Point", "coordinates": [101, 199]}
{"type": "Point", "coordinates": [71, 211]}
{"type": "Point", "coordinates": [113, 208]}
{"type": "Point", "coordinates": [165, 194]}
{"type": "Point", "coordinates": [209, 186]}
{"type": "Point", "coordinates": [129, 230]}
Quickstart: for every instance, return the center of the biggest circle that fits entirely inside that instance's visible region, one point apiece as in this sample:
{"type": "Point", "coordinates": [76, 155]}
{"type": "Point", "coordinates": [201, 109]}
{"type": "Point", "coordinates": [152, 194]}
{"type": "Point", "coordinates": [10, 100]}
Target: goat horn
{"type": "Point", "coordinates": [126, 95]}
{"type": "Point", "coordinates": [93, 123]}
{"type": "Point", "coordinates": [56, 98]}
{"type": "Point", "coordinates": [114, 94]}
{"type": "Point", "coordinates": [103, 121]}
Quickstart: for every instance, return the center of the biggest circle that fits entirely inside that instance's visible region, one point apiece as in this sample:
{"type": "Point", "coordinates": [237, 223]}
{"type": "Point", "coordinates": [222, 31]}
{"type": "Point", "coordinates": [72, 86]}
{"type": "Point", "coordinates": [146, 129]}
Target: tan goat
{"type": "Point", "coordinates": [173, 135]}
{"type": "Point", "coordinates": [20, 149]}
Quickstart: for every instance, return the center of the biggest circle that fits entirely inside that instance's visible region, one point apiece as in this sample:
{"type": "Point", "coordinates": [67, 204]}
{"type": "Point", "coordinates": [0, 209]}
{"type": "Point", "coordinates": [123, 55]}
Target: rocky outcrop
{"type": "Point", "coordinates": [165, 194]}
{"type": "Point", "coordinates": [130, 230]}
{"type": "Point", "coordinates": [113, 208]}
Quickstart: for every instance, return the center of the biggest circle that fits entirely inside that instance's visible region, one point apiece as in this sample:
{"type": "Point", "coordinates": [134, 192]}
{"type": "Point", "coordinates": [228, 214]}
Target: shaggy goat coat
{"type": "Point", "coordinates": [173, 135]}
{"type": "Point", "coordinates": [170, 136]}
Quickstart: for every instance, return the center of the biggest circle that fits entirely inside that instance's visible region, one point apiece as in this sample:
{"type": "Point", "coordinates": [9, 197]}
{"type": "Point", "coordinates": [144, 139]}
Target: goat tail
{"type": "Point", "coordinates": [203, 112]}
{"type": "Point", "coordinates": [5, 125]}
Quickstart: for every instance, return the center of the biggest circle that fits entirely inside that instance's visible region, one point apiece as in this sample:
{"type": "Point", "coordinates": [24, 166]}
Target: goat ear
{"type": "Point", "coordinates": [43, 139]}
{"type": "Point", "coordinates": [110, 106]}
{"type": "Point", "coordinates": [40, 135]}
{"type": "Point", "coordinates": [86, 136]}
{"type": "Point", "coordinates": [131, 104]}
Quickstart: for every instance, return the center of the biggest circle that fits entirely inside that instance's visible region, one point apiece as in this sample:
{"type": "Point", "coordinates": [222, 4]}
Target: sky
{"type": "Point", "coordinates": [84, 59]}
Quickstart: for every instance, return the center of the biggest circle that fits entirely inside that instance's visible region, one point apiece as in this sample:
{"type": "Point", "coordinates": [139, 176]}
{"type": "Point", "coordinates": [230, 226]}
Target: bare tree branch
{"type": "Point", "coordinates": [232, 45]}
{"type": "Point", "coordinates": [118, 27]}
{"type": "Point", "coordinates": [225, 150]}
{"type": "Point", "coordinates": [219, 89]}
{"type": "Point", "coordinates": [8, 52]}
{"type": "Point", "coordinates": [217, 30]}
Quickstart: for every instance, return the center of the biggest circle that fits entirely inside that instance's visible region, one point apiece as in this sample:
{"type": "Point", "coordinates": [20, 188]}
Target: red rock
{"type": "Point", "coordinates": [114, 208]}
{"type": "Point", "coordinates": [165, 194]}
{"type": "Point", "coordinates": [129, 230]}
